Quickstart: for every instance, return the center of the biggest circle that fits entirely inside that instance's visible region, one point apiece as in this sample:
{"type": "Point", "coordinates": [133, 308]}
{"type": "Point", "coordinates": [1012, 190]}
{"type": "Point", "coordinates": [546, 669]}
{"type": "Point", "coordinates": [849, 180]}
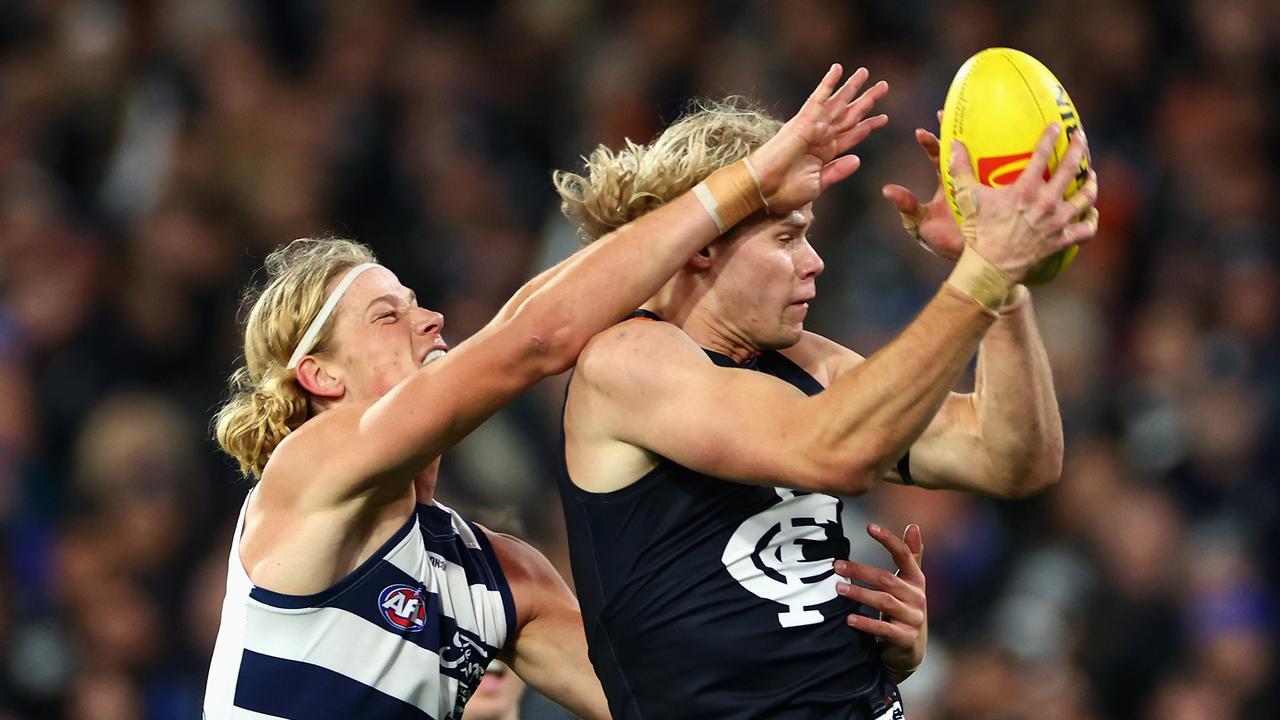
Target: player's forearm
{"type": "Point", "coordinates": [613, 276]}
{"type": "Point", "coordinates": [1017, 407]}
{"type": "Point", "coordinates": [877, 410]}
{"type": "Point", "coordinates": [543, 334]}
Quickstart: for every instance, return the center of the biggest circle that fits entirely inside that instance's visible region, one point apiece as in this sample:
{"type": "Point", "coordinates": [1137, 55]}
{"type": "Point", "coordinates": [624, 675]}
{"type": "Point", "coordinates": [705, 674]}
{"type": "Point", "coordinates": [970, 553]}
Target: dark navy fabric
{"type": "Point", "coordinates": [672, 634]}
{"type": "Point", "coordinates": [491, 576]}
{"type": "Point", "coordinates": [301, 691]}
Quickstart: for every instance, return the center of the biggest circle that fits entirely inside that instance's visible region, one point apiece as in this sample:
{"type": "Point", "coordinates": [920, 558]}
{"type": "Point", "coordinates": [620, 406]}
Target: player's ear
{"type": "Point", "coordinates": [701, 261]}
{"type": "Point", "coordinates": [316, 378]}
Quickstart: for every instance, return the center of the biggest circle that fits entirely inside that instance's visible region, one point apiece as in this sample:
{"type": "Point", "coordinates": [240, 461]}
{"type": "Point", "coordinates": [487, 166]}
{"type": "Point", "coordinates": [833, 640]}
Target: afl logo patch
{"type": "Point", "coordinates": [404, 607]}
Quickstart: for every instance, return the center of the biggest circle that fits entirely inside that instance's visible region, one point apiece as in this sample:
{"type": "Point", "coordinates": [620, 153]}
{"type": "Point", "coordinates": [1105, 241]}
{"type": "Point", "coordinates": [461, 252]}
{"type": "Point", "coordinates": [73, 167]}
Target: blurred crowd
{"type": "Point", "coordinates": [153, 151]}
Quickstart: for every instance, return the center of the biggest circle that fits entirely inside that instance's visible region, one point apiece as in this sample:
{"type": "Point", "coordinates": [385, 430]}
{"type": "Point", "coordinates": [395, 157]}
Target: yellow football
{"type": "Point", "coordinates": [999, 105]}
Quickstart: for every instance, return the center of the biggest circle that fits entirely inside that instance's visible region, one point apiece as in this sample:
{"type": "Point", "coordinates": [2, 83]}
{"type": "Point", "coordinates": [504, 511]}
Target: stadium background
{"type": "Point", "coordinates": [152, 152]}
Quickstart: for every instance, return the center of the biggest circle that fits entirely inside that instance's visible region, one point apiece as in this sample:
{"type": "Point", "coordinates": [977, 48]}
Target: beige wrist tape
{"type": "Point", "coordinates": [1015, 300]}
{"type": "Point", "coordinates": [976, 277]}
{"type": "Point", "coordinates": [730, 194]}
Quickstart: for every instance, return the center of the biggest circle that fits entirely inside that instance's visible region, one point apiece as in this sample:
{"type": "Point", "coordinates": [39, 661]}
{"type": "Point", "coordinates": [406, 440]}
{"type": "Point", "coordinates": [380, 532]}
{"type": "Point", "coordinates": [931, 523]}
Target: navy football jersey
{"type": "Point", "coordinates": [704, 598]}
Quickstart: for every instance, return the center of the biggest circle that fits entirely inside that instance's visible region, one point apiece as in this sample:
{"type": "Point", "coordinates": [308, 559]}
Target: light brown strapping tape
{"type": "Point", "coordinates": [730, 194]}
{"type": "Point", "coordinates": [976, 277]}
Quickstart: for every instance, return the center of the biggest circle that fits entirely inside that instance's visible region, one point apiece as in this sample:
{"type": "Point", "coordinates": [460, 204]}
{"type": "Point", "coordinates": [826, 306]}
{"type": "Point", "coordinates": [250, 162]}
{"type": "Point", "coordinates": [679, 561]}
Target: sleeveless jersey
{"type": "Point", "coordinates": [407, 634]}
{"type": "Point", "coordinates": [704, 598]}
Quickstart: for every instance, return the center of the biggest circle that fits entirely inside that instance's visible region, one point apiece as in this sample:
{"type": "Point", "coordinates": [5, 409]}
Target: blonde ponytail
{"type": "Point", "coordinates": [257, 418]}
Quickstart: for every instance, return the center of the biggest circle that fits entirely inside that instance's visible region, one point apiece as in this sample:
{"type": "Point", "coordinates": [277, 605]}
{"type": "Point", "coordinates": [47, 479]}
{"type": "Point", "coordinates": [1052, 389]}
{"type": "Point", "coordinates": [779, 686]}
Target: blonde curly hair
{"type": "Point", "coordinates": [618, 187]}
{"type": "Point", "coordinates": [265, 401]}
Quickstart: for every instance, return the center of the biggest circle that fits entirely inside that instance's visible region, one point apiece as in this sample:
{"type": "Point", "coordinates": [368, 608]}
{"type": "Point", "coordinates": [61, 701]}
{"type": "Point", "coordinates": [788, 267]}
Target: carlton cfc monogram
{"type": "Point", "coordinates": [787, 552]}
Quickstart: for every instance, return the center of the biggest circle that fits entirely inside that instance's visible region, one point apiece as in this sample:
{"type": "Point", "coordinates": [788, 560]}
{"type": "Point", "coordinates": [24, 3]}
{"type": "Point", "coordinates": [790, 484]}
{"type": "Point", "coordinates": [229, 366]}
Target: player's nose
{"type": "Point", "coordinates": [429, 321]}
{"type": "Point", "coordinates": [811, 264]}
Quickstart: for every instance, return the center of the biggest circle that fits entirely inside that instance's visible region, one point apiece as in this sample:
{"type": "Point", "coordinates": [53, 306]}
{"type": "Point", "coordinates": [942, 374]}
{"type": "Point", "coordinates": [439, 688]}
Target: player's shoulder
{"type": "Point", "coordinates": [318, 431]}
{"type": "Point", "coordinates": [635, 331]}
{"type": "Point", "coordinates": [638, 346]}
{"type": "Point", "coordinates": [306, 461]}
{"type": "Point", "coordinates": [532, 578]}
{"type": "Point", "coordinates": [520, 561]}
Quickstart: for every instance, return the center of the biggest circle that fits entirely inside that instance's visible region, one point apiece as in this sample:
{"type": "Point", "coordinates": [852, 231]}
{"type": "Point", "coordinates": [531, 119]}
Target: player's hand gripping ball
{"type": "Point", "coordinates": [999, 105]}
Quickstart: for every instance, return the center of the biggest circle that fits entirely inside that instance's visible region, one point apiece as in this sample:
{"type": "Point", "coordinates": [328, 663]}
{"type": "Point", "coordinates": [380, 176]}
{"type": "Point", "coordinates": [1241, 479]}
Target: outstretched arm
{"type": "Point", "coordinates": [1005, 438]}
{"type": "Point", "coordinates": [676, 404]}
{"type": "Point", "coordinates": [378, 446]}
{"type": "Point", "coordinates": [679, 406]}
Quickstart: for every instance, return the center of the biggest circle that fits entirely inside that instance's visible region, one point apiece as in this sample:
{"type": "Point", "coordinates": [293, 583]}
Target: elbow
{"type": "Point", "coordinates": [1022, 485]}
{"type": "Point", "coordinates": [1048, 469]}
{"type": "Point", "coordinates": [554, 352]}
{"type": "Point", "coordinates": [547, 354]}
{"type": "Point", "coordinates": [547, 342]}
{"type": "Point", "coordinates": [562, 347]}
{"type": "Point", "coordinates": [847, 472]}
{"type": "Point", "coordinates": [1034, 474]}
{"type": "Point", "coordinates": [860, 480]}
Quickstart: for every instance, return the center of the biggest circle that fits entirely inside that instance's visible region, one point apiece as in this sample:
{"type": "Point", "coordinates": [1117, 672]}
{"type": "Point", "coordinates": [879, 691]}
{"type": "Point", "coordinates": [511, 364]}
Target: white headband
{"type": "Point", "coordinates": [308, 340]}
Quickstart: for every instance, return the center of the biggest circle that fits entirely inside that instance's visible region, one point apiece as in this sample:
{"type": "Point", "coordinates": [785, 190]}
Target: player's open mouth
{"type": "Point", "coordinates": [436, 353]}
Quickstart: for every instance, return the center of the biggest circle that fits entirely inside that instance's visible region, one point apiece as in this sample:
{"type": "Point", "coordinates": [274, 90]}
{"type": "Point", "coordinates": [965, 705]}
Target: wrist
{"type": "Point", "coordinates": [900, 668]}
{"type": "Point", "coordinates": [1019, 297]}
{"type": "Point", "coordinates": [981, 281]}
{"type": "Point", "coordinates": [898, 676]}
{"type": "Point", "coordinates": [767, 171]}
{"type": "Point", "coordinates": [731, 193]}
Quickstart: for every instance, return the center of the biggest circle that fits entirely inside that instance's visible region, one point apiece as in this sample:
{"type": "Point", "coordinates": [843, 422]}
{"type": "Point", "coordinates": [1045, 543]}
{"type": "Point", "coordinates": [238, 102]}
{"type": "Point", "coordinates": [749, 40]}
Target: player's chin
{"type": "Point", "coordinates": [491, 698]}
{"type": "Point", "coordinates": [489, 689]}
{"type": "Point", "coordinates": [786, 335]}
{"type": "Point", "coordinates": [484, 705]}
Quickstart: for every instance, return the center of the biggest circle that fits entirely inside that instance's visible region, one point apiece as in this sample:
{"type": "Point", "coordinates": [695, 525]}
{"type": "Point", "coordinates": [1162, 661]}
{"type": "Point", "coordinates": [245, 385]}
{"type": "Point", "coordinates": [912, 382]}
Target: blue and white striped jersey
{"type": "Point", "coordinates": [408, 634]}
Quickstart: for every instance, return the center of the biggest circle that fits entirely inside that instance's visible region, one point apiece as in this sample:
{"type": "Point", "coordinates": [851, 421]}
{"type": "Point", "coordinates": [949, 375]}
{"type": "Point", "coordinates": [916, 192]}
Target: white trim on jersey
{"type": "Point", "coordinates": [461, 527]}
